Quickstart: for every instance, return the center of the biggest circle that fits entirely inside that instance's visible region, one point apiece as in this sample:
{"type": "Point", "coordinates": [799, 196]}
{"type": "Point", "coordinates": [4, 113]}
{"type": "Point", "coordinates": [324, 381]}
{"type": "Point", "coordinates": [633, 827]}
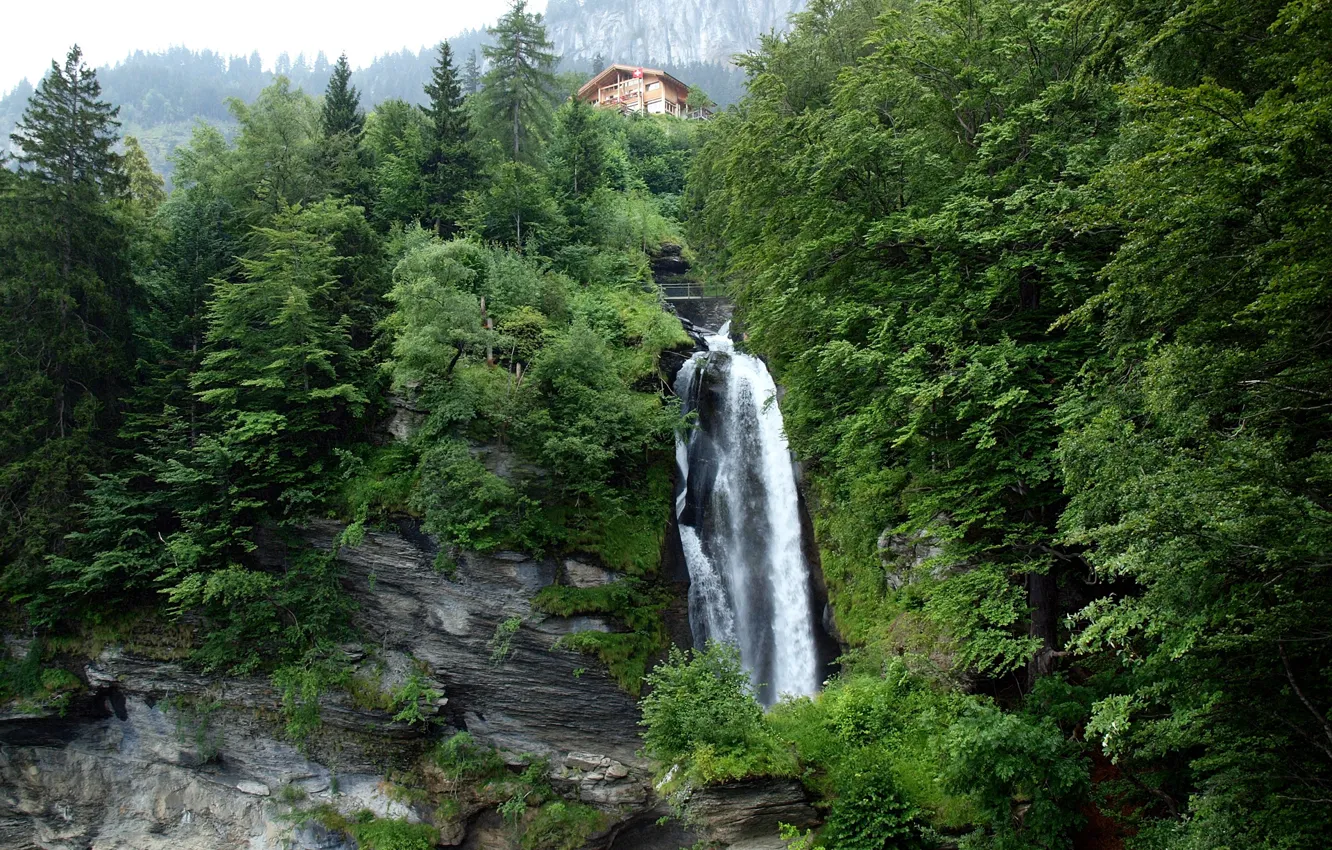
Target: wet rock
{"type": "Point", "coordinates": [529, 702]}
{"type": "Point", "coordinates": [404, 419]}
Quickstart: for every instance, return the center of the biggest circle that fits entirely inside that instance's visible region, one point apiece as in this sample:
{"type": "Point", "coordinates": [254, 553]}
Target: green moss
{"type": "Point", "coordinates": [377, 482]}
{"type": "Point", "coordinates": [33, 687]}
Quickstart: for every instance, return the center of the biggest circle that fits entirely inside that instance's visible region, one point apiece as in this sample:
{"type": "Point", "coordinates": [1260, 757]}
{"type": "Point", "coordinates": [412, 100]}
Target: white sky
{"type": "Point", "coordinates": [33, 33]}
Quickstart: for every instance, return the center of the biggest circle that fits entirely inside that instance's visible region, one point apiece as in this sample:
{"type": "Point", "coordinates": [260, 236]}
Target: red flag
{"type": "Point", "coordinates": [638, 75]}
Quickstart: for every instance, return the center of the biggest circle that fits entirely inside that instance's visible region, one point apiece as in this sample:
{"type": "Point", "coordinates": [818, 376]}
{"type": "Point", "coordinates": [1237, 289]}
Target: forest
{"type": "Point", "coordinates": [162, 95]}
{"type": "Point", "coordinates": [1048, 288]}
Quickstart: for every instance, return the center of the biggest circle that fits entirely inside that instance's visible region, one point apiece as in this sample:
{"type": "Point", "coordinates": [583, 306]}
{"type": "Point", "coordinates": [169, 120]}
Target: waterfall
{"type": "Point", "coordinates": [739, 519]}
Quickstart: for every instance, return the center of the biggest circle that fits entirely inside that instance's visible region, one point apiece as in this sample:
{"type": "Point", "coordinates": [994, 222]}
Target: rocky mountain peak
{"type": "Point", "coordinates": [671, 32]}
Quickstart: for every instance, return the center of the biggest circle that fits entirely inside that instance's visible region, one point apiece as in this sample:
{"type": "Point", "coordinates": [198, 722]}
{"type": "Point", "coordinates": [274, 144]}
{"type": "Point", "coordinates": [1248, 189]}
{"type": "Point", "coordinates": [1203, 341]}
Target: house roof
{"type": "Point", "coordinates": [593, 84]}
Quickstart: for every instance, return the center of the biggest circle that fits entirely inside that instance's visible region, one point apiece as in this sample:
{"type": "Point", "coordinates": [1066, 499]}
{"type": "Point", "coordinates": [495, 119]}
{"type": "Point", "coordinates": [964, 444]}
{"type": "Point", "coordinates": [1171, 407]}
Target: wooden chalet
{"type": "Point", "coordinates": [632, 89]}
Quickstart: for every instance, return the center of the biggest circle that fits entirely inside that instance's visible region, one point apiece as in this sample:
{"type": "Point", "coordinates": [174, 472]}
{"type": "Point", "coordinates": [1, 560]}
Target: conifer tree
{"type": "Point", "coordinates": [444, 108]}
{"type": "Point", "coordinates": [578, 152]}
{"type": "Point", "coordinates": [65, 290]}
{"type": "Point", "coordinates": [342, 103]}
{"type": "Point", "coordinates": [471, 75]}
{"type": "Point", "coordinates": [520, 83]}
{"type": "Point", "coordinates": [598, 63]}
{"type": "Point", "coordinates": [146, 186]}
{"type": "Point", "coordinates": [449, 168]}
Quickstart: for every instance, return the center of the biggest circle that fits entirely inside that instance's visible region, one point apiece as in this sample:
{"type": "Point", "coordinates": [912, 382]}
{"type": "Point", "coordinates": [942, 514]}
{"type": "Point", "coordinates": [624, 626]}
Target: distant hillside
{"type": "Point", "coordinates": [162, 95]}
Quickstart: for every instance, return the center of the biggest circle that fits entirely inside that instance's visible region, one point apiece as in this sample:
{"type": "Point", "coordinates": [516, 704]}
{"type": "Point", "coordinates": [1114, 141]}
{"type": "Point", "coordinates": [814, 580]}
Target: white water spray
{"type": "Point", "coordinates": [739, 518]}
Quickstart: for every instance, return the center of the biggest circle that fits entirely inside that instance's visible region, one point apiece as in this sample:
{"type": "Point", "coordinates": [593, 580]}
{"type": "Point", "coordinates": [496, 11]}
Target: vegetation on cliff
{"type": "Point", "coordinates": [186, 379]}
{"type": "Point", "coordinates": [1047, 285]}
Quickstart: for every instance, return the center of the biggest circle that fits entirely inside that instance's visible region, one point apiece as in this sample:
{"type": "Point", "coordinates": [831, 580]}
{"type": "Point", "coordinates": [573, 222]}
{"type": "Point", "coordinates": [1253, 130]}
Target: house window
{"type": "Point", "coordinates": [653, 86]}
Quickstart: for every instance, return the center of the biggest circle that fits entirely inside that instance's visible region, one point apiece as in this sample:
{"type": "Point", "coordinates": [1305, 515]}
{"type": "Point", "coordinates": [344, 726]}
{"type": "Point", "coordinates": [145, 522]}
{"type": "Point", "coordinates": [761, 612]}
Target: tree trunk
{"type": "Point", "coordinates": [488, 323]}
{"type": "Point", "coordinates": [517, 129]}
{"type": "Point", "coordinates": [1043, 597]}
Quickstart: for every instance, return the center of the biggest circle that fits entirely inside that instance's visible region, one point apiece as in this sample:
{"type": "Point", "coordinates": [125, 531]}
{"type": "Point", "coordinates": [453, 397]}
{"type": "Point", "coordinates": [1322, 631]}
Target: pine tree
{"type": "Point", "coordinates": [472, 75]}
{"type": "Point", "coordinates": [146, 186]}
{"type": "Point", "coordinates": [342, 103]}
{"type": "Point", "coordinates": [520, 83]}
{"type": "Point", "coordinates": [449, 168]}
{"type": "Point", "coordinates": [444, 108]}
{"type": "Point", "coordinates": [578, 152]}
{"type": "Point", "coordinates": [598, 63]}
{"type": "Point", "coordinates": [65, 291]}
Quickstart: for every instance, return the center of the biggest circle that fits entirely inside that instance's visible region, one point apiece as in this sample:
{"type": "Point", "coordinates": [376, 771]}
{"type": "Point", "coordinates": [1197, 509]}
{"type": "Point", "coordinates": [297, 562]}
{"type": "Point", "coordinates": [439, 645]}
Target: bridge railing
{"type": "Point", "coordinates": [682, 289]}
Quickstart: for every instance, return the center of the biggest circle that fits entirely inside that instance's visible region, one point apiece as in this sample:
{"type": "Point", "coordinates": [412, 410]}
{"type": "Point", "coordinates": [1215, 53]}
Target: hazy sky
{"type": "Point", "coordinates": [34, 33]}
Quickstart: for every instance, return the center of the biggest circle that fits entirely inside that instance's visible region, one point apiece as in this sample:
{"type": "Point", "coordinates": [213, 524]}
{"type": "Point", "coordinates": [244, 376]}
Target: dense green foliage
{"type": "Point", "coordinates": [1047, 285]}
{"type": "Point", "coordinates": [187, 379]}
{"type": "Point", "coordinates": [65, 296]}
{"type": "Point", "coordinates": [894, 758]}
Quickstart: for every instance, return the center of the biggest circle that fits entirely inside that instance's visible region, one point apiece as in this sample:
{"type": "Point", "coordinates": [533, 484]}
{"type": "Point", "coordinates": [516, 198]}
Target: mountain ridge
{"type": "Point", "coordinates": [682, 31]}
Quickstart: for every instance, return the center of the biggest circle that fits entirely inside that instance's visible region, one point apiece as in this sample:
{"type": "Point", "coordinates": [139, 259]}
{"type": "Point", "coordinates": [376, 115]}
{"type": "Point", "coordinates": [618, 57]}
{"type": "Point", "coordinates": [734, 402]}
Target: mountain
{"type": "Point", "coordinates": [674, 32]}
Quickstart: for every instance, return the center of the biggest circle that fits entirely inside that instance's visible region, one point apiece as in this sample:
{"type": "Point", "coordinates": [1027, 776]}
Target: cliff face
{"type": "Point", "coordinates": [160, 757]}
{"type": "Point", "coordinates": [671, 33]}
{"type": "Point", "coordinates": [157, 757]}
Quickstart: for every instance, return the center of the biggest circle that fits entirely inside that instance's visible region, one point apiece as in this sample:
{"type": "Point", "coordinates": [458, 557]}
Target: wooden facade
{"type": "Point", "coordinates": [632, 89]}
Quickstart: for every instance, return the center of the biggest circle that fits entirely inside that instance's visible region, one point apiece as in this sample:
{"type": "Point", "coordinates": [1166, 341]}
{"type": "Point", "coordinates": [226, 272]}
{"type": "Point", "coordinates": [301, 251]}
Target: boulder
{"type": "Point", "coordinates": [906, 556]}
{"type": "Point", "coordinates": [745, 815]}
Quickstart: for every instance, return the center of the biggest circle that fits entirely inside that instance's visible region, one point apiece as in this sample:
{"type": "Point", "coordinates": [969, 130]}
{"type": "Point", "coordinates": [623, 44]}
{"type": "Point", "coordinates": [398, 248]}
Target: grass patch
{"type": "Point", "coordinates": [461, 758]}
{"type": "Point", "coordinates": [376, 833]}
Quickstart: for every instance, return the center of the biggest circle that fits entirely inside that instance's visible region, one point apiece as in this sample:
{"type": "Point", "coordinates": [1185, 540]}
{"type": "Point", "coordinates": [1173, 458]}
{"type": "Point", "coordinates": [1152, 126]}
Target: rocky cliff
{"type": "Point", "coordinates": [670, 33]}
{"type": "Point", "coordinates": [157, 756]}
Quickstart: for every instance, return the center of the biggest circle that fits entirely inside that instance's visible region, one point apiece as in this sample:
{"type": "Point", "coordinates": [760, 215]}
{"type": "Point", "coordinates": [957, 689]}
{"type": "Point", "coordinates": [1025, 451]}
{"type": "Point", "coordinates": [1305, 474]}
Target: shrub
{"type": "Point", "coordinates": [562, 826]}
{"type": "Point", "coordinates": [702, 713]}
{"type": "Point", "coordinates": [892, 721]}
{"type": "Point", "coordinates": [999, 759]}
{"type": "Point", "coordinates": [406, 700]}
{"type": "Point", "coordinates": [869, 813]}
{"type": "Point", "coordinates": [461, 758]}
{"type": "Point", "coordinates": [392, 834]}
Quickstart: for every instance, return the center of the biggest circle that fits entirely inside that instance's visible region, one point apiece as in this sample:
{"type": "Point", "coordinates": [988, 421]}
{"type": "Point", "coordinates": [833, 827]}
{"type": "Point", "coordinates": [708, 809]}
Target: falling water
{"type": "Point", "coordinates": [740, 522]}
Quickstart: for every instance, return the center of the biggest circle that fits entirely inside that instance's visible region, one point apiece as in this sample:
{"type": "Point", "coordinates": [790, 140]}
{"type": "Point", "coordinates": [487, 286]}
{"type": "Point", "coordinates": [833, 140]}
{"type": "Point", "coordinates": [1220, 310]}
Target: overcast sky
{"type": "Point", "coordinates": [33, 33]}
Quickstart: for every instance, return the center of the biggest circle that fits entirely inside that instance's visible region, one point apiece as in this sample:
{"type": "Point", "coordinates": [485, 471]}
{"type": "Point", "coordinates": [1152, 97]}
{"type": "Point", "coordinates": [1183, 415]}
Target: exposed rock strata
{"type": "Point", "coordinates": [162, 758]}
